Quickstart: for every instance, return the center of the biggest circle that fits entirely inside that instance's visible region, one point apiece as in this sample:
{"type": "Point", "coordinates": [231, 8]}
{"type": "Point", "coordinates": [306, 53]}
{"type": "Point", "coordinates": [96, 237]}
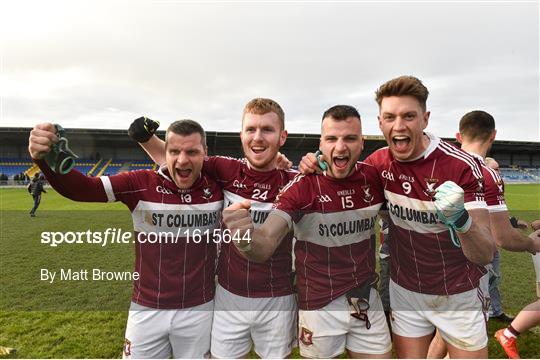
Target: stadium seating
{"type": "Point", "coordinates": [15, 166]}
{"type": "Point", "coordinates": [510, 175]}
{"type": "Point", "coordinates": [116, 166]}
{"type": "Point", "coordinates": [141, 164]}
{"type": "Point", "coordinates": [85, 166]}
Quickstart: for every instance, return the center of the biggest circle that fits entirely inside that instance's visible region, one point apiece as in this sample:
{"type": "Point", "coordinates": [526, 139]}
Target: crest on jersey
{"type": "Point", "coordinates": [430, 186]}
{"type": "Point", "coordinates": [207, 194]}
{"type": "Point", "coordinates": [127, 347]}
{"type": "Point", "coordinates": [367, 195]}
{"type": "Point", "coordinates": [480, 185]}
{"type": "Point", "coordinates": [306, 336]}
{"type": "Point", "coordinates": [500, 185]}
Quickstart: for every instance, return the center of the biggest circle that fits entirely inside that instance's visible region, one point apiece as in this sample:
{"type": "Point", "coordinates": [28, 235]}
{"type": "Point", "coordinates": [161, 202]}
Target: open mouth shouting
{"type": "Point", "coordinates": [401, 142]}
{"type": "Point", "coordinates": [184, 173]}
{"type": "Point", "coordinates": [340, 162]}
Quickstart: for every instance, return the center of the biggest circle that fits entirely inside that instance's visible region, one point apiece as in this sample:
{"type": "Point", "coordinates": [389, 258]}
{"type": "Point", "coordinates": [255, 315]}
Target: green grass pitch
{"type": "Point", "coordinates": [87, 319]}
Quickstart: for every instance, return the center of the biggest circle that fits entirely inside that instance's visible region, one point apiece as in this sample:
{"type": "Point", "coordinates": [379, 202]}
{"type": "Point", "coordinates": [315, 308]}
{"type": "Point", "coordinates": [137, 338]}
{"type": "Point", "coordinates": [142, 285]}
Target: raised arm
{"type": "Point", "coordinates": [155, 148]}
{"type": "Point", "coordinates": [256, 245]}
{"type": "Point", "coordinates": [73, 185]}
{"type": "Point", "coordinates": [142, 131]}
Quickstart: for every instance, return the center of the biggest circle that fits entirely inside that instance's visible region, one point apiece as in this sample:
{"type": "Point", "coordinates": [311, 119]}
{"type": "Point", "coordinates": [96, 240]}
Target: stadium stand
{"type": "Point", "coordinates": [510, 175]}
{"type": "Point", "coordinates": [14, 166]}
{"type": "Point", "coordinates": [107, 152]}
{"type": "Point", "coordinates": [85, 165]}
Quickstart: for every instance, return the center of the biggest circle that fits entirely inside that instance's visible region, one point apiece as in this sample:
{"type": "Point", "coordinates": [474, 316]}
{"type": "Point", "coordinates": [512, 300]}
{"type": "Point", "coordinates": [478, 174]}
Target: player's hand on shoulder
{"type": "Point", "coordinates": [237, 219]}
{"type": "Point", "coordinates": [41, 138]}
{"type": "Point", "coordinates": [309, 164]}
{"type": "Point", "coordinates": [535, 225]}
{"type": "Point", "coordinates": [282, 162]}
{"type": "Point", "coordinates": [142, 129]}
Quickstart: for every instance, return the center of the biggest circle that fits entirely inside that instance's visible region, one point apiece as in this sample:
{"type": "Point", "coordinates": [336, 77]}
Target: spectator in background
{"type": "Point", "coordinates": [35, 188]}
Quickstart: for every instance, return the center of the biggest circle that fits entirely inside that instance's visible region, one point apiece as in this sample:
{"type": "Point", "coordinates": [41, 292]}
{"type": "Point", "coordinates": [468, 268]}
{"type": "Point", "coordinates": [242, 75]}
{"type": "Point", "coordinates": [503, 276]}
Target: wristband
{"type": "Point", "coordinates": [514, 222]}
{"type": "Point", "coordinates": [61, 159]}
{"type": "Point", "coordinates": [322, 164]}
{"type": "Point", "coordinates": [463, 223]}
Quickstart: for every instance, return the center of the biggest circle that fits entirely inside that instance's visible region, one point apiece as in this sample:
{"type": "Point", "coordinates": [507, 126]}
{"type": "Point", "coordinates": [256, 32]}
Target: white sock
{"type": "Point", "coordinates": [508, 334]}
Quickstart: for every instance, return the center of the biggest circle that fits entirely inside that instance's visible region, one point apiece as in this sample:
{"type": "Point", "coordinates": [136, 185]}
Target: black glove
{"type": "Point", "coordinates": [142, 129]}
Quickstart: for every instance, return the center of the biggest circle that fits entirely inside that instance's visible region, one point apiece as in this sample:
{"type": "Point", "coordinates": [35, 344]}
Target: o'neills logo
{"type": "Point", "coordinates": [367, 195]}
{"type": "Point", "coordinates": [430, 186]}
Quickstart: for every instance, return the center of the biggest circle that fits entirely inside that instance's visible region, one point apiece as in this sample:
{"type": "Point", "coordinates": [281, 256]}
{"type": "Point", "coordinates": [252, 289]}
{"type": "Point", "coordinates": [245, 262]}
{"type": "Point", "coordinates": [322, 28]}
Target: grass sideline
{"type": "Point", "coordinates": [100, 334]}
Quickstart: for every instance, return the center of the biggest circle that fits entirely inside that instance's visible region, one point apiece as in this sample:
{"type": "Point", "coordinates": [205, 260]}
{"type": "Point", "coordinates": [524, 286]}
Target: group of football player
{"type": "Point", "coordinates": [444, 207]}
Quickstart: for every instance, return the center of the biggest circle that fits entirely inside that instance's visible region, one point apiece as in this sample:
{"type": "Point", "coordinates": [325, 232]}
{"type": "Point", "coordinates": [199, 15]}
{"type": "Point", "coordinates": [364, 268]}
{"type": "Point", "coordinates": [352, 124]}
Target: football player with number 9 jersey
{"type": "Point", "coordinates": [439, 228]}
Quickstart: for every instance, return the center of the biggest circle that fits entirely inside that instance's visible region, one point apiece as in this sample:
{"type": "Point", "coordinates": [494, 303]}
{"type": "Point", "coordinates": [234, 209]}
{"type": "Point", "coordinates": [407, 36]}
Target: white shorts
{"type": "Point", "coordinates": [268, 323]}
{"type": "Point", "coordinates": [484, 285]}
{"type": "Point", "coordinates": [536, 261]}
{"type": "Point", "coordinates": [184, 333]}
{"type": "Point", "coordinates": [327, 332]}
{"type": "Point", "coordinates": [460, 318]}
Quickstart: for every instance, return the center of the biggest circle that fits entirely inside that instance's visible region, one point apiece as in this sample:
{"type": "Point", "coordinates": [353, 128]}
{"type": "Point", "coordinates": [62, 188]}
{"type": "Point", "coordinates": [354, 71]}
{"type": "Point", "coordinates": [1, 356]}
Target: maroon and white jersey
{"type": "Point", "coordinates": [423, 256]}
{"type": "Point", "coordinates": [175, 271]}
{"type": "Point", "coordinates": [334, 225]}
{"type": "Point", "coordinates": [235, 273]}
{"type": "Point", "coordinates": [493, 187]}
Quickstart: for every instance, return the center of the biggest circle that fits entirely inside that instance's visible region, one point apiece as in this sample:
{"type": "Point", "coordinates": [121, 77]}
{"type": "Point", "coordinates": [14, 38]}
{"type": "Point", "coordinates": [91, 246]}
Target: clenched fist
{"type": "Point", "coordinates": [238, 220]}
{"type": "Point", "coordinates": [449, 201]}
{"type": "Point", "coordinates": [41, 139]}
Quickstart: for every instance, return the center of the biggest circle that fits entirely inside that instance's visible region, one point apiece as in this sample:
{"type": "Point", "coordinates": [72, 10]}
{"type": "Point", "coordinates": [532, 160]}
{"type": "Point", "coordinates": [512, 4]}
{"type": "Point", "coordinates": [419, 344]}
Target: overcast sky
{"type": "Point", "coordinates": [101, 64]}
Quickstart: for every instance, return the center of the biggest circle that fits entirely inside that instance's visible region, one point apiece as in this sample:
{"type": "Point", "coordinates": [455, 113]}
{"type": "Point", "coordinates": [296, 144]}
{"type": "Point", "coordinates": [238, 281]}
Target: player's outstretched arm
{"type": "Point", "coordinates": [508, 237]}
{"type": "Point", "coordinates": [256, 245]}
{"type": "Point", "coordinates": [73, 185]}
{"type": "Point", "coordinates": [142, 130]}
